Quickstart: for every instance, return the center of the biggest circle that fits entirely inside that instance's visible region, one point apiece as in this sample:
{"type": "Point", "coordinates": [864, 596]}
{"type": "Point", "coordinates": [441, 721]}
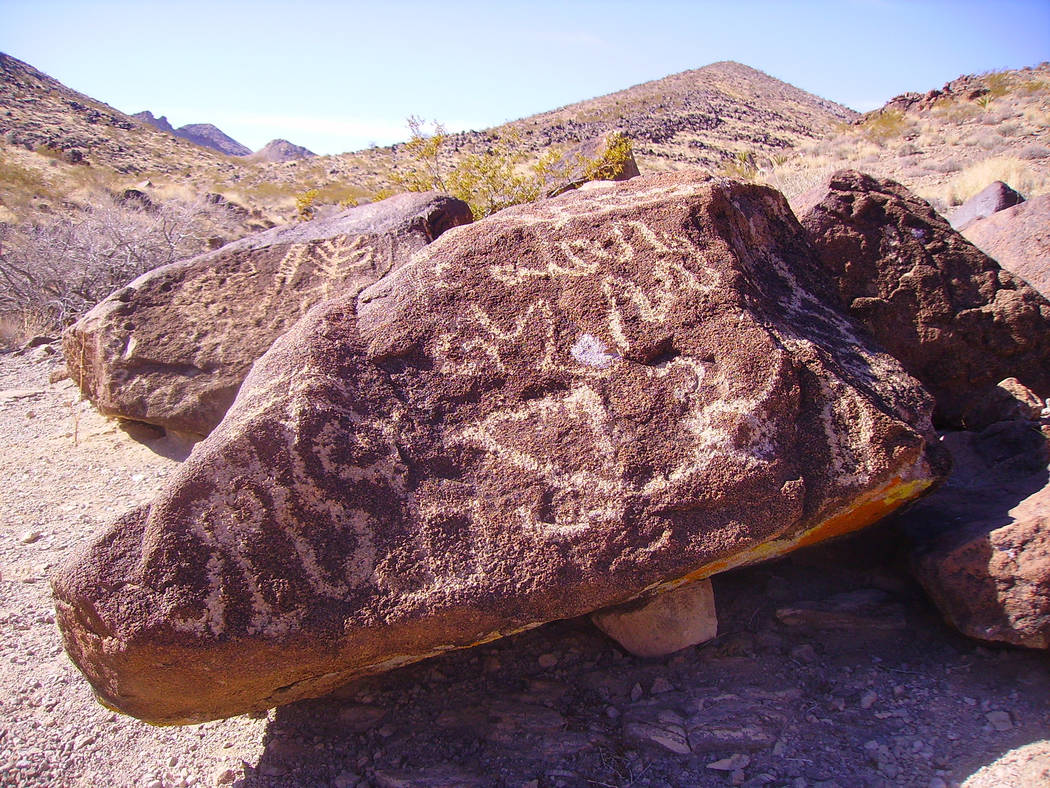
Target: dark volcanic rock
{"type": "Point", "coordinates": [995, 197]}
{"type": "Point", "coordinates": [563, 407]}
{"type": "Point", "coordinates": [954, 318]}
{"type": "Point", "coordinates": [173, 346]}
{"type": "Point", "coordinates": [1019, 240]}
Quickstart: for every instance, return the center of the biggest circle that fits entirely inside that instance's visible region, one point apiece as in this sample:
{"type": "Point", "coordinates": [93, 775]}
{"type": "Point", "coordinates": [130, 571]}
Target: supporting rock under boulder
{"type": "Point", "coordinates": [561, 408]}
{"type": "Point", "coordinates": [173, 346]}
{"type": "Point", "coordinates": [664, 624]}
{"type": "Point", "coordinates": [954, 318]}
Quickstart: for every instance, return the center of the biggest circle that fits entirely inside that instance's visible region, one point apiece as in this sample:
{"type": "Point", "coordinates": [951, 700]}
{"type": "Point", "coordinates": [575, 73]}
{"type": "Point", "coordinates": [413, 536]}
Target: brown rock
{"type": "Point", "coordinates": [954, 318]}
{"type": "Point", "coordinates": [981, 544]}
{"type": "Point", "coordinates": [991, 579]}
{"type": "Point", "coordinates": [1010, 400]}
{"type": "Point", "coordinates": [558, 409]}
{"type": "Point", "coordinates": [995, 197]}
{"type": "Point", "coordinates": [662, 624]}
{"type": "Point", "coordinates": [173, 346]}
{"type": "Point", "coordinates": [1019, 240]}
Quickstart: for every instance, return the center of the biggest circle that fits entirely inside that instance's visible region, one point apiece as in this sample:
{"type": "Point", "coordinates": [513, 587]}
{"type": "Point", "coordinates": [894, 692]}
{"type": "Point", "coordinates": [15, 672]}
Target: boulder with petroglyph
{"type": "Point", "coordinates": [558, 409]}
{"type": "Point", "coordinates": [955, 319]}
{"type": "Point", "coordinates": [173, 346]}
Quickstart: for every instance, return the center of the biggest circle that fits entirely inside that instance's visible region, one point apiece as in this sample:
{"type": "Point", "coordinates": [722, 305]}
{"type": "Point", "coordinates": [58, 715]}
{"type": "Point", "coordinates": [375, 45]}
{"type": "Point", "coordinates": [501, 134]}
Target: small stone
{"type": "Point", "coordinates": [612, 712]}
{"type": "Point", "coordinates": [636, 692]}
{"type": "Point", "coordinates": [804, 653]}
{"type": "Point", "coordinates": [868, 699]}
{"type": "Point", "coordinates": [225, 777]}
{"type": "Point", "coordinates": [29, 537]}
{"type": "Point", "coordinates": [548, 660]}
{"type": "Point", "coordinates": [661, 685]}
{"type": "Point", "coordinates": [937, 782]}
{"type": "Point", "coordinates": [1000, 720]}
{"type": "Point", "coordinates": [737, 777]}
{"type": "Point", "coordinates": [83, 741]}
{"type": "Point", "coordinates": [731, 764]}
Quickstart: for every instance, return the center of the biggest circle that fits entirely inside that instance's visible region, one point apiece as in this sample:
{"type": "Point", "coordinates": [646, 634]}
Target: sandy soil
{"type": "Point", "coordinates": [830, 669]}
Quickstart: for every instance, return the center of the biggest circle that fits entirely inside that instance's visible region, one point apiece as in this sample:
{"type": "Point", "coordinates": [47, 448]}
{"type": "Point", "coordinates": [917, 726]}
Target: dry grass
{"type": "Point", "coordinates": [1018, 173]}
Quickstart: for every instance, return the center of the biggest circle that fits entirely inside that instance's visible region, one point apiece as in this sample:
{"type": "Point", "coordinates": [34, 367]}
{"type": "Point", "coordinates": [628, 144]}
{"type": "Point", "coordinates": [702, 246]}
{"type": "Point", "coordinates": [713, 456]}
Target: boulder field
{"type": "Point", "coordinates": [564, 407]}
{"type": "Point", "coordinates": [173, 346]}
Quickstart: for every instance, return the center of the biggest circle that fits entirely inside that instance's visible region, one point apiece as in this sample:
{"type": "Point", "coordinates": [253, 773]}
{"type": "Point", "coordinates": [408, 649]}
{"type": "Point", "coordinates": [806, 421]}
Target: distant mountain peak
{"type": "Point", "coordinates": [158, 123]}
{"type": "Point", "coordinates": [282, 150]}
{"type": "Point", "coordinates": [212, 137]}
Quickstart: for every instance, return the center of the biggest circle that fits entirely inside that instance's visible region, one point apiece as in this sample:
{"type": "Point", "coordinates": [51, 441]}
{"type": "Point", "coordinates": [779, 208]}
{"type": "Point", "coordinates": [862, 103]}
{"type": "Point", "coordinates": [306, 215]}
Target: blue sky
{"type": "Point", "coordinates": [337, 76]}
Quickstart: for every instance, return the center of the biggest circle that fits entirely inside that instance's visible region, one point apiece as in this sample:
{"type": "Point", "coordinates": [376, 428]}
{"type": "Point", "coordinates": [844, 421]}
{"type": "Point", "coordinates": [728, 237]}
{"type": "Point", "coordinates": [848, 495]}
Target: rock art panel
{"type": "Point", "coordinates": [955, 319]}
{"type": "Point", "coordinates": [558, 409]}
{"type": "Point", "coordinates": [173, 346]}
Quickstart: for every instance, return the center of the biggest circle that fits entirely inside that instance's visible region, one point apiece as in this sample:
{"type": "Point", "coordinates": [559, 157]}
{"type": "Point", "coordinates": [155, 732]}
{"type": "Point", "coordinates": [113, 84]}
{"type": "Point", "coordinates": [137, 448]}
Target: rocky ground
{"type": "Point", "coordinates": [830, 669]}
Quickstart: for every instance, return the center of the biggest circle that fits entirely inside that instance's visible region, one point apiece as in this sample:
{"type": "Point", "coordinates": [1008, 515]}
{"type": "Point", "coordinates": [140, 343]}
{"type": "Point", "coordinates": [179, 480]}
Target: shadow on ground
{"type": "Point", "coordinates": [831, 669]}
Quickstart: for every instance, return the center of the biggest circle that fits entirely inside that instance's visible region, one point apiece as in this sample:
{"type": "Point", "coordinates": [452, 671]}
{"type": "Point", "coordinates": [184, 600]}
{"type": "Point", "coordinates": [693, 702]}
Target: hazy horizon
{"type": "Point", "coordinates": [337, 77]}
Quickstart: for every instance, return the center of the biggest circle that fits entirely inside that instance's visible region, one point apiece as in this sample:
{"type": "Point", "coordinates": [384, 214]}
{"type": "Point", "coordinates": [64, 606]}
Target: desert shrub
{"type": "Point", "coordinates": [501, 176]}
{"type": "Point", "coordinates": [998, 83]}
{"type": "Point", "coordinates": [304, 204]}
{"type": "Point", "coordinates": [953, 164]}
{"type": "Point", "coordinates": [608, 164]}
{"type": "Point", "coordinates": [882, 126]}
{"type": "Point", "coordinates": [55, 268]}
{"type": "Point", "coordinates": [1031, 152]}
{"type": "Point", "coordinates": [742, 166]}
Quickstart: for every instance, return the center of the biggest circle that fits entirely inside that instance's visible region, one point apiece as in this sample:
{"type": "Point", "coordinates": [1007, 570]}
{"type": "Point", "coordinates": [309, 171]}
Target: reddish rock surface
{"type": "Point", "coordinates": [173, 346]}
{"type": "Point", "coordinates": [983, 540]}
{"type": "Point", "coordinates": [563, 407]}
{"type": "Point", "coordinates": [995, 197]}
{"type": "Point", "coordinates": [954, 318]}
{"type": "Point", "coordinates": [1019, 240]}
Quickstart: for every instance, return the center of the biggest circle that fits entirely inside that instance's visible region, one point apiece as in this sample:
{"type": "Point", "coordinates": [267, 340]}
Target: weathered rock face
{"type": "Point", "coordinates": [173, 346]}
{"type": "Point", "coordinates": [1019, 240]}
{"type": "Point", "coordinates": [996, 196]}
{"type": "Point", "coordinates": [982, 542]}
{"type": "Point", "coordinates": [954, 318]}
{"type": "Point", "coordinates": [561, 408]}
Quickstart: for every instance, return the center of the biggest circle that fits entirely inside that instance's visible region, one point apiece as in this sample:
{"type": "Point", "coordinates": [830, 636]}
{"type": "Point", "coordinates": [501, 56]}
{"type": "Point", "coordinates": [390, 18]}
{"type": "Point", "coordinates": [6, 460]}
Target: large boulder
{"type": "Point", "coordinates": [560, 408]}
{"type": "Point", "coordinates": [954, 318]}
{"type": "Point", "coordinates": [1019, 240]}
{"type": "Point", "coordinates": [173, 346]}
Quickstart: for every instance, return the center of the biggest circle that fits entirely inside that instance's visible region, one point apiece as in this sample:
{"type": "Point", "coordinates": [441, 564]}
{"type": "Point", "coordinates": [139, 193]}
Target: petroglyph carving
{"type": "Point", "coordinates": [173, 347]}
{"type": "Point", "coordinates": [557, 409]}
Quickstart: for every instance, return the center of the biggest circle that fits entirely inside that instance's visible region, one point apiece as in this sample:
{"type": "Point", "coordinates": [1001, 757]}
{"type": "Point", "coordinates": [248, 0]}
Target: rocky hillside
{"type": "Point", "coordinates": [945, 144]}
{"type": "Point", "coordinates": [699, 118]}
{"type": "Point", "coordinates": [724, 117]}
